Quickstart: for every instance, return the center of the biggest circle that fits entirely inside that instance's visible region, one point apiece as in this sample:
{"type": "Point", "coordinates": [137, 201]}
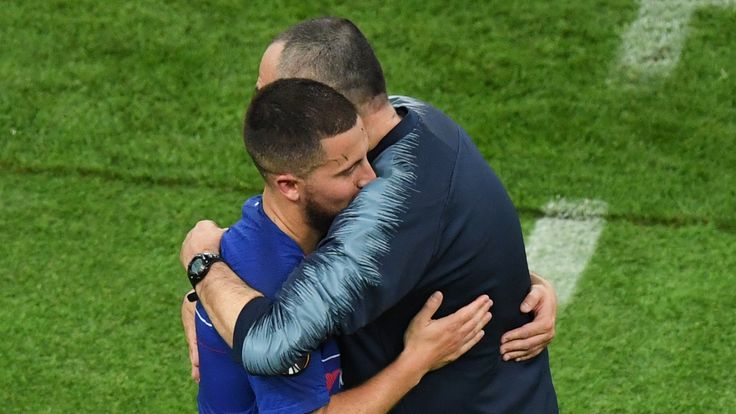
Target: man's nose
{"type": "Point", "coordinates": [367, 175]}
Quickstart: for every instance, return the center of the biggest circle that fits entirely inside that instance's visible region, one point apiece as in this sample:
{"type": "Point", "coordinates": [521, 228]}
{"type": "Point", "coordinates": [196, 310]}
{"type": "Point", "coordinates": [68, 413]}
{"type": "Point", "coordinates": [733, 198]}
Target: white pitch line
{"type": "Point", "coordinates": [653, 43]}
{"type": "Point", "coordinates": [562, 243]}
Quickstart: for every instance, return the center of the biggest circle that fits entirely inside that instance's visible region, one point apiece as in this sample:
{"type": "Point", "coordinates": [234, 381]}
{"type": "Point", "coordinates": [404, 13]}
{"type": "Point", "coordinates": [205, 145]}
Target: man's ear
{"type": "Point", "coordinates": [289, 185]}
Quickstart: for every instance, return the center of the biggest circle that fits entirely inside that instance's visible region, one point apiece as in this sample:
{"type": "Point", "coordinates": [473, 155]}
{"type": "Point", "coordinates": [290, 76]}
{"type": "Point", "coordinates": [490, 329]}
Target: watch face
{"type": "Point", "coordinates": [200, 265]}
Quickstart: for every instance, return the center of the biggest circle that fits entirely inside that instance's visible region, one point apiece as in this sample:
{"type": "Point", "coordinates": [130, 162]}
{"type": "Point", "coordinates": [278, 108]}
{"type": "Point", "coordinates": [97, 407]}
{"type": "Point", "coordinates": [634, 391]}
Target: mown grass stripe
{"type": "Point", "coordinates": [130, 178]}
{"type": "Point", "coordinates": [246, 188]}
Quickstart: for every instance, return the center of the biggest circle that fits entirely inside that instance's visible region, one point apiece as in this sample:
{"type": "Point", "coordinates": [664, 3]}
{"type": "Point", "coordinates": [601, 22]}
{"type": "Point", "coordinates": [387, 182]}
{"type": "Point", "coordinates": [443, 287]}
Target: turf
{"type": "Point", "coordinates": [90, 315]}
{"type": "Point", "coordinates": [120, 127]}
{"type": "Point", "coordinates": [650, 329]}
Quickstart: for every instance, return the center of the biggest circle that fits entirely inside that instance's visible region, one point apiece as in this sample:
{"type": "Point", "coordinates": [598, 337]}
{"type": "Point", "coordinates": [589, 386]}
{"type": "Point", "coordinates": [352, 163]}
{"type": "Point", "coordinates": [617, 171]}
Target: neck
{"type": "Point", "coordinates": [289, 219]}
{"type": "Point", "coordinates": [379, 118]}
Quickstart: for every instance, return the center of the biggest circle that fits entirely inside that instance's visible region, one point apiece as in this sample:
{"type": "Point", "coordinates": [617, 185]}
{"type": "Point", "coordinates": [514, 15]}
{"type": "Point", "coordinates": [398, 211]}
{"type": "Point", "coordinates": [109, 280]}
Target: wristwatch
{"type": "Point", "coordinates": [198, 268]}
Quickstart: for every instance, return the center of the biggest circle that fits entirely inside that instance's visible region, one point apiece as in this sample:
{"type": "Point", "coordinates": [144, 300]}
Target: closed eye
{"type": "Point", "coordinates": [349, 170]}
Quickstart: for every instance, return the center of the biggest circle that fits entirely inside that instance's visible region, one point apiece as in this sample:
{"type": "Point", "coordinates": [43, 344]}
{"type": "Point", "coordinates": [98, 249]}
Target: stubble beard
{"type": "Point", "coordinates": [318, 217]}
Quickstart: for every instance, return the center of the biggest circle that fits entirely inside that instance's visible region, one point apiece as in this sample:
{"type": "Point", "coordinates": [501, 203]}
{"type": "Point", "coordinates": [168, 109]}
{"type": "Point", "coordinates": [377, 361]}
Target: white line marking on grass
{"type": "Point", "coordinates": [562, 243]}
{"type": "Point", "coordinates": [653, 43]}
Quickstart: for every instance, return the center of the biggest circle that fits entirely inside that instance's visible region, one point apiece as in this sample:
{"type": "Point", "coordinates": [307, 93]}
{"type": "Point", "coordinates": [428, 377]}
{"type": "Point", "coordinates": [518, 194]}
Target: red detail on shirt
{"type": "Point", "coordinates": [331, 377]}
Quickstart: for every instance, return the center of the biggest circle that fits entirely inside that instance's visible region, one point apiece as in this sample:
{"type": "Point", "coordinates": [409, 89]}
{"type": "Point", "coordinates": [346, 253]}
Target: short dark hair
{"type": "Point", "coordinates": [333, 51]}
{"type": "Point", "coordinates": [287, 119]}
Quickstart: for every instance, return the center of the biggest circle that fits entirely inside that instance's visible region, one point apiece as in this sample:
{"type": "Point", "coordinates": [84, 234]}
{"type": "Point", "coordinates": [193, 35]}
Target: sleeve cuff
{"type": "Point", "coordinates": [247, 317]}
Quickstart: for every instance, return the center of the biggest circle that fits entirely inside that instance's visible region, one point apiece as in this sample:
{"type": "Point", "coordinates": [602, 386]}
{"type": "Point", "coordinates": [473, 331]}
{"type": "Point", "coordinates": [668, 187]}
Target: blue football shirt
{"type": "Point", "coordinates": [262, 255]}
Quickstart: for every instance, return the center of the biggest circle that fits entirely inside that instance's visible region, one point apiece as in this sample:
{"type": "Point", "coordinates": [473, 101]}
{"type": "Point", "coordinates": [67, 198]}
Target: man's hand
{"type": "Point", "coordinates": [204, 237]}
{"type": "Point", "coordinates": [434, 343]}
{"type": "Point", "coordinates": [190, 333]}
{"type": "Point", "coordinates": [529, 340]}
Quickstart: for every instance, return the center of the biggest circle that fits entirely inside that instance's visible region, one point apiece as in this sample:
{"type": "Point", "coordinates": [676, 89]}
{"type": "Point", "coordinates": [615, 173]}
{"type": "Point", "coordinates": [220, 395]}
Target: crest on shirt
{"type": "Point", "coordinates": [298, 367]}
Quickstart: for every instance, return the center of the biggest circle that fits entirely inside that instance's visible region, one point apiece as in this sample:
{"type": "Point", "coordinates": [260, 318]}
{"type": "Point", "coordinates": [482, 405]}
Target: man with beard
{"type": "Point", "coordinates": [437, 218]}
{"type": "Point", "coordinates": [310, 147]}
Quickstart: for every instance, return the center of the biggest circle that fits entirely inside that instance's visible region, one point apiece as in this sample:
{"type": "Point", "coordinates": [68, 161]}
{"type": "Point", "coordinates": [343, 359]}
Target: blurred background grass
{"type": "Point", "coordinates": [120, 127]}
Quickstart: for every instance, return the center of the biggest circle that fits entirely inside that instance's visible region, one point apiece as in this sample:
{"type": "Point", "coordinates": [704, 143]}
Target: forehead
{"type": "Point", "coordinates": [268, 69]}
{"type": "Point", "coordinates": [345, 149]}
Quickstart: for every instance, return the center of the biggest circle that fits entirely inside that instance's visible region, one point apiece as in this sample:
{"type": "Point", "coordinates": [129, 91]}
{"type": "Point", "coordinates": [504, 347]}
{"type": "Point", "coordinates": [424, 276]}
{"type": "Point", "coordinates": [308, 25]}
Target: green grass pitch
{"type": "Point", "coordinates": [120, 127]}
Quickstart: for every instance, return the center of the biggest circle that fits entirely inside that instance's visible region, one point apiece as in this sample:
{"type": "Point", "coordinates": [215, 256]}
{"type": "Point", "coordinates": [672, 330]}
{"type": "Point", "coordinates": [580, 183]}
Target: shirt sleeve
{"type": "Point", "coordinates": [376, 251]}
{"type": "Point", "coordinates": [302, 392]}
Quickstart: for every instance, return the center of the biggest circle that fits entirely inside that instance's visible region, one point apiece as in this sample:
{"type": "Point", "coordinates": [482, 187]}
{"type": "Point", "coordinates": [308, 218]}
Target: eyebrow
{"type": "Point", "coordinates": [336, 160]}
{"type": "Point", "coordinates": [350, 166]}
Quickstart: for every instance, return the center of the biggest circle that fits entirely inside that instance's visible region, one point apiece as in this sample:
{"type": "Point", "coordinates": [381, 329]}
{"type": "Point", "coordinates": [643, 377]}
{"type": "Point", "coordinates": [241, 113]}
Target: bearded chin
{"type": "Point", "coordinates": [318, 217]}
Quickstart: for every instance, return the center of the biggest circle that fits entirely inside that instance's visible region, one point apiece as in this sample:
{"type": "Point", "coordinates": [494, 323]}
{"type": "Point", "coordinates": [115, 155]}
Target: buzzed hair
{"type": "Point", "coordinates": [287, 119]}
{"type": "Point", "coordinates": [333, 51]}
